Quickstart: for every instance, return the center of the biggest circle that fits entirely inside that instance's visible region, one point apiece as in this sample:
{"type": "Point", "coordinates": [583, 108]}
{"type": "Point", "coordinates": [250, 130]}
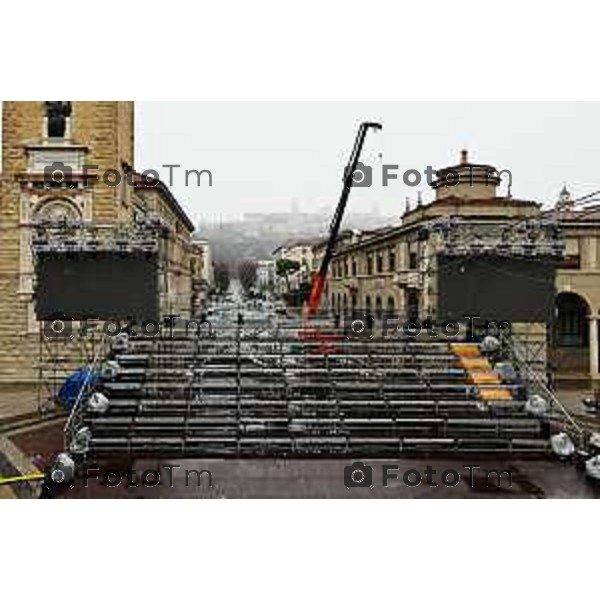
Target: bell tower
{"type": "Point", "coordinates": [56, 156]}
{"type": "Point", "coordinates": [106, 128]}
{"type": "Point", "coordinates": [37, 135]}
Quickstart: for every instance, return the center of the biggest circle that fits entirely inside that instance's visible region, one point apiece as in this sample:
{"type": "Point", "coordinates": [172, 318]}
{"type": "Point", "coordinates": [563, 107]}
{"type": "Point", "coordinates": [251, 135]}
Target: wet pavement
{"type": "Point", "coordinates": [316, 478]}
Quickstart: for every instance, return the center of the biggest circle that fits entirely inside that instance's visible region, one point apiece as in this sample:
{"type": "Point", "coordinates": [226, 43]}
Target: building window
{"type": "Point", "coordinates": [354, 268]}
{"type": "Point", "coordinates": [379, 263]}
{"type": "Point", "coordinates": [413, 261]}
{"type": "Point", "coordinates": [58, 114]}
{"type": "Point", "coordinates": [572, 321]}
{"type": "Point", "coordinates": [368, 304]}
{"type": "Point", "coordinates": [571, 330]}
{"type": "Point", "coordinates": [369, 265]}
{"type": "Point", "coordinates": [391, 305]}
{"type": "Point", "coordinates": [345, 268]}
{"type": "Point", "coordinates": [412, 305]}
{"type": "Point", "coordinates": [378, 307]}
{"type": "Point", "coordinates": [392, 261]}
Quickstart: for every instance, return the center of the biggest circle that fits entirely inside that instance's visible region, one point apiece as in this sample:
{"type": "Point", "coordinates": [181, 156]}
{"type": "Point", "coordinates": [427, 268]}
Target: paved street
{"type": "Point", "coordinates": [313, 478]}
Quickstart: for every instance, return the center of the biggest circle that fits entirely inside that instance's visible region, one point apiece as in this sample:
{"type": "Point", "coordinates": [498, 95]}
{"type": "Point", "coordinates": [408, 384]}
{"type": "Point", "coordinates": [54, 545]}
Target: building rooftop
{"type": "Point", "coordinates": [141, 182]}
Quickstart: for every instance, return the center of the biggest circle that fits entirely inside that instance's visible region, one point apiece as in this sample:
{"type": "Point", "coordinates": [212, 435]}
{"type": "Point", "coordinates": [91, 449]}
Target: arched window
{"type": "Point", "coordinates": [58, 114]}
{"type": "Point", "coordinates": [412, 305]}
{"type": "Point", "coordinates": [368, 304]}
{"type": "Point", "coordinates": [392, 260]}
{"type": "Point", "coordinates": [378, 307]}
{"type": "Point", "coordinates": [572, 321]}
{"type": "Point", "coordinates": [391, 305]}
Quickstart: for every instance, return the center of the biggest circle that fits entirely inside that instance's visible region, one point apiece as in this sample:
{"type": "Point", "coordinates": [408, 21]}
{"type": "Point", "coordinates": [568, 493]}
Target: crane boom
{"type": "Point", "coordinates": [318, 284]}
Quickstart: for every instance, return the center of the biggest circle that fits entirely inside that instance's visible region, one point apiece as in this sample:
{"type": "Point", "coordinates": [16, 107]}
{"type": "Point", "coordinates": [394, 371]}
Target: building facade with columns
{"type": "Point", "coordinates": [575, 354]}
{"type": "Point", "coordinates": [395, 269]}
{"type": "Point", "coordinates": [45, 185]}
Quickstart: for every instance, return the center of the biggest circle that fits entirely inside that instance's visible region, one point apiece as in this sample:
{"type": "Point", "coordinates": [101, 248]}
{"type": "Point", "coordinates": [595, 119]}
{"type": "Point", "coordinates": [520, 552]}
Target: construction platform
{"type": "Point", "coordinates": [243, 393]}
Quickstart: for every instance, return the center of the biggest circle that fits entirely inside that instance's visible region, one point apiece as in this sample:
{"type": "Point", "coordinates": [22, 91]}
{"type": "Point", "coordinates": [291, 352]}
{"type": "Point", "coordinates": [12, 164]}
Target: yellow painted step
{"type": "Point", "coordinates": [475, 364]}
{"type": "Point", "coordinates": [495, 394]}
{"type": "Point", "coordinates": [466, 350]}
{"type": "Point", "coordinates": [484, 377]}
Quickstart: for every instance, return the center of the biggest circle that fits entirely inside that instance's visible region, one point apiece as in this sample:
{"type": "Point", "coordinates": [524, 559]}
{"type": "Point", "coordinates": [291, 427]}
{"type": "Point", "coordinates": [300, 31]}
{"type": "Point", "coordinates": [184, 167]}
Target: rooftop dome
{"type": "Point", "coordinates": [466, 180]}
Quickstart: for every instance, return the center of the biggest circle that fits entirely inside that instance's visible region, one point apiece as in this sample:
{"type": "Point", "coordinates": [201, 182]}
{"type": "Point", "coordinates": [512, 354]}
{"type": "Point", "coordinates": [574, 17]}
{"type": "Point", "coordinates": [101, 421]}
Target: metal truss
{"type": "Point", "coordinates": [524, 238]}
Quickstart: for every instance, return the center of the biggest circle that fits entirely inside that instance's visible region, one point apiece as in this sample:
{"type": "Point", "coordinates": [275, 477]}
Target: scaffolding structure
{"type": "Point", "coordinates": [64, 346]}
{"type": "Point", "coordinates": [271, 391]}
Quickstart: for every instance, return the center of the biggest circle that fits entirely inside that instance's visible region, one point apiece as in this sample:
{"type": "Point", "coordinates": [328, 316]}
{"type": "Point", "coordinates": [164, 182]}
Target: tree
{"type": "Point", "coordinates": [247, 274]}
{"type": "Point", "coordinates": [222, 277]}
{"type": "Point", "coordinates": [283, 268]}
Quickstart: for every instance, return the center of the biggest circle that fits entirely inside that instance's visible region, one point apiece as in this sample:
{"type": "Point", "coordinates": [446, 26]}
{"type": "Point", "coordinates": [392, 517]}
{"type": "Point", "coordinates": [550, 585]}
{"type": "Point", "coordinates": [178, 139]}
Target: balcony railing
{"type": "Point", "coordinates": [408, 279]}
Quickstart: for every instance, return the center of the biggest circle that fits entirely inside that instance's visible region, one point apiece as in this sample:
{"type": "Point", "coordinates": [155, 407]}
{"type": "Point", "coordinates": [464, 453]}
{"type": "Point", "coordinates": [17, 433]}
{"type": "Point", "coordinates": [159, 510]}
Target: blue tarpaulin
{"type": "Point", "coordinates": [72, 386]}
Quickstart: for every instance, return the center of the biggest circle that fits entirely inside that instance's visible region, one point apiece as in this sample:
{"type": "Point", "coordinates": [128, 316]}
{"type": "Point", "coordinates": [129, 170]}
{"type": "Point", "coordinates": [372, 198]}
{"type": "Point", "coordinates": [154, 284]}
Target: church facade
{"type": "Point", "coordinates": [60, 162]}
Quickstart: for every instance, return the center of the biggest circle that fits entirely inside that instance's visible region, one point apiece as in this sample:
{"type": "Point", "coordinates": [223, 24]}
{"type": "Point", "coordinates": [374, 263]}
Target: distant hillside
{"type": "Point", "coordinates": [258, 234]}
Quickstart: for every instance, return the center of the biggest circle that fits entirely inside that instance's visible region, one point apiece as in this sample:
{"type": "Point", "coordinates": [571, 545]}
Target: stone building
{"type": "Point", "coordinates": [153, 200]}
{"type": "Point", "coordinates": [391, 268]}
{"type": "Point", "coordinates": [575, 343]}
{"type": "Point", "coordinates": [265, 275]}
{"type": "Point", "coordinates": [395, 269]}
{"type": "Point", "coordinates": [203, 277]}
{"type": "Point", "coordinates": [60, 162]}
{"type": "Point", "coordinates": [300, 252]}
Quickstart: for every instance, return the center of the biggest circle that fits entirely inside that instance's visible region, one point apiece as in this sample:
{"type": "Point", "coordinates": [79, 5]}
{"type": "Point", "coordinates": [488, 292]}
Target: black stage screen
{"type": "Point", "coordinates": [496, 288]}
{"type": "Point", "coordinates": [104, 285]}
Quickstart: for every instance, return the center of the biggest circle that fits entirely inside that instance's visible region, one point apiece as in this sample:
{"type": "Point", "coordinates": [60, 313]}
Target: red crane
{"type": "Point", "coordinates": [318, 283]}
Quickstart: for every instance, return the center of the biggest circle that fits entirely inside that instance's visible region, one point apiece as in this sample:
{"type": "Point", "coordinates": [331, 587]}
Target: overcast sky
{"type": "Point", "coordinates": [267, 156]}
{"type": "Point", "coordinates": [264, 156]}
